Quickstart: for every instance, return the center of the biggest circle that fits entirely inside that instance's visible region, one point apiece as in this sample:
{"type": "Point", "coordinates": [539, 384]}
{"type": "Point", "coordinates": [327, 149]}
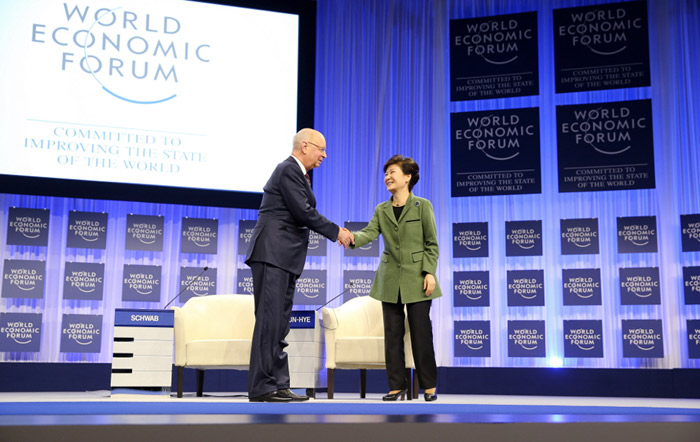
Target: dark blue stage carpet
{"type": "Point", "coordinates": [104, 403]}
{"type": "Point", "coordinates": [322, 408]}
{"type": "Point", "coordinates": [93, 416]}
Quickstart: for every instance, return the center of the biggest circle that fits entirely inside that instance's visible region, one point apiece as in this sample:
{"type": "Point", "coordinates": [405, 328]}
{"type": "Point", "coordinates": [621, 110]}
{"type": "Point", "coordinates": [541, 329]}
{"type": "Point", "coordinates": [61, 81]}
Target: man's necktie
{"type": "Point", "coordinates": [308, 178]}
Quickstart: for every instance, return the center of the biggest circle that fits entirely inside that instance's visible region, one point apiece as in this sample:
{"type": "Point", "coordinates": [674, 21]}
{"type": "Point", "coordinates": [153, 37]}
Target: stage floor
{"type": "Point", "coordinates": [105, 415]}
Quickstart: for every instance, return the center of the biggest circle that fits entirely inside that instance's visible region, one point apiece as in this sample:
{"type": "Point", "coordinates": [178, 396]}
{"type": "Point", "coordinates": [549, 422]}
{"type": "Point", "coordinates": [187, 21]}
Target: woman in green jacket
{"type": "Point", "coordinates": [406, 275]}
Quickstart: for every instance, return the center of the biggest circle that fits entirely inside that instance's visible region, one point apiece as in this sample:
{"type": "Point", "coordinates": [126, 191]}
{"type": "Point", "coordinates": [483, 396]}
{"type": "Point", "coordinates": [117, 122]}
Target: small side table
{"type": "Point", "coordinates": [142, 355]}
{"type": "Point", "coordinates": [305, 351]}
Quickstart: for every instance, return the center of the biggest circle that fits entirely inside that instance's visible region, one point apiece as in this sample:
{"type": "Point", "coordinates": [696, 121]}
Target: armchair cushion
{"type": "Point", "coordinates": [214, 331]}
{"type": "Point", "coordinates": [218, 353]}
{"type": "Point", "coordinates": [365, 351]}
{"type": "Point", "coordinates": [354, 335]}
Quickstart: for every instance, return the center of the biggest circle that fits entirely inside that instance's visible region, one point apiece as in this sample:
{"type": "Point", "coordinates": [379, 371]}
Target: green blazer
{"type": "Point", "coordinates": [410, 250]}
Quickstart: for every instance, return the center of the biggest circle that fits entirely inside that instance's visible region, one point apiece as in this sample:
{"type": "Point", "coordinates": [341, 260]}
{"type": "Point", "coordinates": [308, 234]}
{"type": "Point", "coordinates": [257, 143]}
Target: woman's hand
{"type": "Point", "coordinates": [428, 284]}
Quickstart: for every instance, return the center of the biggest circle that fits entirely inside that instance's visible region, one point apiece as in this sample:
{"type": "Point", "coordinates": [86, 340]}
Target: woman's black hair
{"type": "Point", "coordinates": [407, 166]}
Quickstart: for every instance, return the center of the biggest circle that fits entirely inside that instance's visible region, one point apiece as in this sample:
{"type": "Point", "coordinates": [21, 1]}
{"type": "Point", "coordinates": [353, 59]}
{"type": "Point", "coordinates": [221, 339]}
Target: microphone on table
{"type": "Point", "coordinates": [351, 285]}
{"type": "Point", "coordinates": [187, 286]}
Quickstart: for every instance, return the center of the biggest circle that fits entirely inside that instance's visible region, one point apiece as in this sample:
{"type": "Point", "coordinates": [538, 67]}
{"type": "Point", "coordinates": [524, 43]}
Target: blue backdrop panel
{"type": "Point", "coordinates": [383, 87]}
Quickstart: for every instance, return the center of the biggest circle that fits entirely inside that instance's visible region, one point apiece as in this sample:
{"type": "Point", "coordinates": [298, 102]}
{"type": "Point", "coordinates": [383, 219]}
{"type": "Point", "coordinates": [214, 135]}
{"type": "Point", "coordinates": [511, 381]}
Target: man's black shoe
{"type": "Point", "coordinates": [289, 394]}
{"type": "Point", "coordinates": [270, 397]}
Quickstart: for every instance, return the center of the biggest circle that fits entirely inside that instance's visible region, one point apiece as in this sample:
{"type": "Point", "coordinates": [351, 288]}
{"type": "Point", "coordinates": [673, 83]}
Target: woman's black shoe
{"type": "Point", "coordinates": [430, 397]}
{"type": "Point", "coordinates": [394, 396]}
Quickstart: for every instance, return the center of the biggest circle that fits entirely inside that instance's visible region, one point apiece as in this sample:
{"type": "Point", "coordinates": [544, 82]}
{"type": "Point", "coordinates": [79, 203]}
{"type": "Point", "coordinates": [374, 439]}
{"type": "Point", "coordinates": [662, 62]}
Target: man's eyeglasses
{"type": "Point", "coordinates": [322, 149]}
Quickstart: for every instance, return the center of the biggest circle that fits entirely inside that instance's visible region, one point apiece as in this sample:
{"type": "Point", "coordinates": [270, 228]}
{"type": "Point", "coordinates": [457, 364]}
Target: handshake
{"type": "Point", "coordinates": [345, 237]}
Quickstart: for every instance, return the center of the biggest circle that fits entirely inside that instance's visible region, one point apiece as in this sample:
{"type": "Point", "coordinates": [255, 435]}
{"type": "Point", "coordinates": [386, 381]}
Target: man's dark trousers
{"type": "Point", "coordinates": [273, 289]}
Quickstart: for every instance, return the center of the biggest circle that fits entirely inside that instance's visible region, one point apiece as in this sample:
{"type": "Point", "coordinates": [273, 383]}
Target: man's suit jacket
{"type": "Point", "coordinates": [287, 212]}
{"type": "Point", "coordinates": [410, 250]}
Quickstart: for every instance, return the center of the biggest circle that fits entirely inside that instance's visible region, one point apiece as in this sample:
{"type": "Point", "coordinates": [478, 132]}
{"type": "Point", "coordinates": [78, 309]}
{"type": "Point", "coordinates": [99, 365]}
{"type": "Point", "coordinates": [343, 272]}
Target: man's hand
{"type": "Point", "coordinates": [345, 237]}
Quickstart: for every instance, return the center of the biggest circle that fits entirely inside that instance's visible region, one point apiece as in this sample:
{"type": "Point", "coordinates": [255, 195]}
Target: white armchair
{"type": "Point", "coordinates": [213, 332]}
{"type": "Point", "coordinates": [354, 335]}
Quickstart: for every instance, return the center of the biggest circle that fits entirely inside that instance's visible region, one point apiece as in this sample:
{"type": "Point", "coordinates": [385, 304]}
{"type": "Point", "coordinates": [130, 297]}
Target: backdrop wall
{"type": "Point", "coordinates": [383, 87]}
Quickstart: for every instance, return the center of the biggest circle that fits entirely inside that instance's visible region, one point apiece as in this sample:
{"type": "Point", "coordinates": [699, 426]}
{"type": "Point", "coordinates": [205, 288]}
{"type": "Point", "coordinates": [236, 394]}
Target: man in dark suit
{"type": "Point", "coordinates": [276, 256]}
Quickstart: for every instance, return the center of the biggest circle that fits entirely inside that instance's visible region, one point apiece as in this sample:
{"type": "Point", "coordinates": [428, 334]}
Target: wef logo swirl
{"type": "Point", "coordinates": [133, 56]}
